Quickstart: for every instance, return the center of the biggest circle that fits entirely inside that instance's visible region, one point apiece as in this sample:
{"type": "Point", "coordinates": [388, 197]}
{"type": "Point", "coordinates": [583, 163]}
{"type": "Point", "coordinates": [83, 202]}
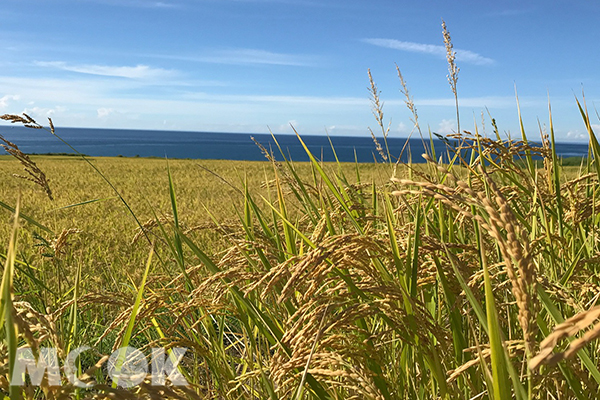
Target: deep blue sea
{"type": "Point", "coordinates": [228, 146]}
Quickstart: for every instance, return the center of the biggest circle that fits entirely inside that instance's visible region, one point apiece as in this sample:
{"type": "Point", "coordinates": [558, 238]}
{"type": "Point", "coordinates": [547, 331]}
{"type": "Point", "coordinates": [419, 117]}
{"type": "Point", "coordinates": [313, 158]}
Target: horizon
{"type": "Point", "coordinates": [247, 66]}
{"type": "Point", "coordinates": [367, 136]}
{"type": "Point", "coordinates": [110, 142]}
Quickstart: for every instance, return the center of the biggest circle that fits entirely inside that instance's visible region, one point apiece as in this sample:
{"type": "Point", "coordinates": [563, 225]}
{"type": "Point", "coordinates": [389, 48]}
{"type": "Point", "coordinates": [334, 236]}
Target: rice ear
{"type": "Point", "coordinates": [566, 330]}
{"type": "Point", "coordinates": [34, 173]}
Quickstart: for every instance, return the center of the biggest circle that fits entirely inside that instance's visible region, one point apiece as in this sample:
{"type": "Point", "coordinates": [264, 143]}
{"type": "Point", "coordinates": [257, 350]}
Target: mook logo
{"type": "Point", "coordinates": [127, 367]}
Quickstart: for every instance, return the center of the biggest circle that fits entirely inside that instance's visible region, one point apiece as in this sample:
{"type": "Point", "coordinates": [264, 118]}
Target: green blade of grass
{"type": "Point", "coordinates": [290, 239]}
{"type": "Point", "coordinates": [334, 190]}
{"type": "Point", "coordinates": [6, 305]}
{"type": "Point", "coordinates": [27, 218]}
{"type": "Point", "coordinates": [83, 203]}
{"type": "Point", "coordinates": [397, 257]}
{"type": "Point", "coordinates": [131, 323]}
{"type": "Point", "coordinates": [413, 258]}
{"type": "Point", "coordinates": [595, 146]}
{"type": "Point", "coordinates": [530, 163]}
{"type": "Point", "coordinates": [176, 239]}
{"type": "Point", "coordinates": [498, 361]}
{"type": "Point", "coordinates": [556, 175]}
{"type": "Point", "coordinates": [303, 196]}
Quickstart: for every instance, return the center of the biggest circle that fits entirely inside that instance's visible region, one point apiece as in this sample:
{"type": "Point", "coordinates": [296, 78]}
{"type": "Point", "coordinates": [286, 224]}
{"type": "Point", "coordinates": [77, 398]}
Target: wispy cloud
{"type": "Point", "coordinates": [137, 72]}
{"type": "Point", "coordinates": [281, 99]}
{"type": "Point", "coordinates": [7, 99]}
{"type": "Point", "coordinates": [84, 100]}
{"type": "Point", "coordinates": [466, 56]}
{"type": "Point", "coordinates": [139, 3]}
{"type": "Point", "coordinates": [254, 56]}
{"type": "Point", "coordinates": [479, 102]}
{"type": "Point", "coordinates": [293, 2]}
{"type": "Point", "coordinates": [161, 4]}
{"type": "Point", "coordinates": [511, 12]}
{"type": "Point", "coordinates": [43, 112]}
{"type": "Point", "coordinates": [576, 134]}
{"type": "Point", "coordinates": [446, 126]}
{"type": "Point", "coordinates": [244, 57]}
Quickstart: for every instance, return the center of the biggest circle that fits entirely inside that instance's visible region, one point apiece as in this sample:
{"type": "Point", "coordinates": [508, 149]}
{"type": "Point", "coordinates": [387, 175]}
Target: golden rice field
{"type": "Point", "coordinates": [207, 190]}
{"type": "Point", "coordinates": [313, 280]}
{"type": "Point", "coordinates": [475, 278]}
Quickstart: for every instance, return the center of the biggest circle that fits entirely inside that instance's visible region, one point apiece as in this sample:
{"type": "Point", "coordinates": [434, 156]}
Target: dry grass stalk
{"type": "Point", "coordinates": [377, 104]}
{"type": "Point", "coordinates": [548, 163]}
{"type": "Point", "coordinates": [269, 155]}
{"type": "Point", "coordinates": [562, 331]}
{"type": "Point", "coordinates": [512, 346]}
{"type": "Point", "coordinates": [452, 68]}
{"type": "Point", "coordinates": [451, 58]}
{"type": "Point", "coordinates": [377, 109]}
{"type": "Point", "coordinates": [410, 104]}
{"type": "Point", "coordinates": [378, 146]}
{"type": "Point", "coordinates": [149, 225]}
{"type": "Point", "coordinates": [34, 173]}
{"type": "Point", "coordinates": [26, 120]}
{"type": "Point", "coordinates": [59, 245]}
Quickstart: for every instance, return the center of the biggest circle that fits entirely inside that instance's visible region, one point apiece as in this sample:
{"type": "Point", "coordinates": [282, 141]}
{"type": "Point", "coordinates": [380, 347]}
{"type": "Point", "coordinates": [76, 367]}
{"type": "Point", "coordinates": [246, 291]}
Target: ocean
{"type": "Point", "coordinates": [228, 146]}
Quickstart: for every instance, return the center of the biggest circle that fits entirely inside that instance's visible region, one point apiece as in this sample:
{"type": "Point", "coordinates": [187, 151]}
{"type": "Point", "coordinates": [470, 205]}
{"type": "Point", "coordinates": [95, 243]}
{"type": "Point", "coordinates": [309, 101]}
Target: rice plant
{"type": "Point", "coordinates": [473, 278]}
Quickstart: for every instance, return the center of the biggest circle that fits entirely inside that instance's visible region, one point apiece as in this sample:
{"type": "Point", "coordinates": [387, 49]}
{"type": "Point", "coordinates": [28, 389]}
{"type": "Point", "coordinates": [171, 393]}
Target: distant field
{"type": "Point", "coordinates": [107, 228]}
{"type": "Point", "coordinates": [84, 201]}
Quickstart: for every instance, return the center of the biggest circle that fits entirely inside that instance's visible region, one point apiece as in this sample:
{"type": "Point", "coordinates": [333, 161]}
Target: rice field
{"type": "Point", "coordinates": [473, 278]}
{"type": "Point", "coordinates": [283, 280]}
{"type": "Point", "coordinates": [107, 233]}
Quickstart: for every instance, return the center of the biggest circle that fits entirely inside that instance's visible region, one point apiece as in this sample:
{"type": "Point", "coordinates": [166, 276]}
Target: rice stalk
{"type": "Point", "coordinates": [34, 173]}
{"type": "Point", "coordinates": [453, 69]}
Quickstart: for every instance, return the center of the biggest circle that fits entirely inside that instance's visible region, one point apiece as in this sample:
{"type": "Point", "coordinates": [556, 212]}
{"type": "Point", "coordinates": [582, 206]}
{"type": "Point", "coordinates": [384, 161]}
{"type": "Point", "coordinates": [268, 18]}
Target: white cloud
{"type": "Point", "coordinates": [446, 127]}
{"type": "Point", "coordinates": [288, 126]}
{"type": "Point", "coordinates": [244, 57]}
{"type": "Point", "coordinates": [113, 102]}
{"type": "Point", "coordinates": [6, 100]}
{"type": "Point", "coordinates": [289, 100]}
{"type": "Point", "coordinates": [582, 134]}
{"type": "Point", "coordinates": [84, 94]}
{"type": "Point", "coordinates": [344, 129]}
{"type": "Point", "coordinates": [402, 128]}
{"type": "Point", "coordinates": [295, 2]}
{"type": "Point", "coordinates": [138, 3]}
{"type": "Point", "coordinates": [484, 101]}
{"type": "Point", "coordinates": [137, 72]}
{"type": "Point", "coordinates": [576, 134]}
{"type": "Point", "coordinates": [40, 113]}
{"type": "Point", "coordinates": [466, 56]}
{"type": "Point", "coordinates": [104, 112]}
{"type": "Point", "coordinates": [87, 92]}
{"type": "Point", "coordinates": [254, 56]}
{"type": "Point", "coordinates": [161, 4]}
{"type": "Point", "coordinates": [511, 12]}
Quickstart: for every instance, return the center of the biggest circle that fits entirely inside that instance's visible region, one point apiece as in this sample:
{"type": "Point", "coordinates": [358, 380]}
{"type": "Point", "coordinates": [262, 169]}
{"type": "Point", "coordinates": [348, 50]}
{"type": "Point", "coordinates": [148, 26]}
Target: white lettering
{"type": "Point", "coordinates": [127, 367]}
{"type": "Point", "coordinates": [167, 366]}
{"type": "Point", "coordinates": [25, 363]}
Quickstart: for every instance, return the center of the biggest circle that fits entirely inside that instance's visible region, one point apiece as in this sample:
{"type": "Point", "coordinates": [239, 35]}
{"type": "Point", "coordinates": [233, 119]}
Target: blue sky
{"type": "Point", "coordinates": [251, 65]}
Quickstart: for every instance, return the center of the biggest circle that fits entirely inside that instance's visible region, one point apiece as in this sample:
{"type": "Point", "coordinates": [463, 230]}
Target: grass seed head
{"type": "Point", "coordinates": [34, 173]}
